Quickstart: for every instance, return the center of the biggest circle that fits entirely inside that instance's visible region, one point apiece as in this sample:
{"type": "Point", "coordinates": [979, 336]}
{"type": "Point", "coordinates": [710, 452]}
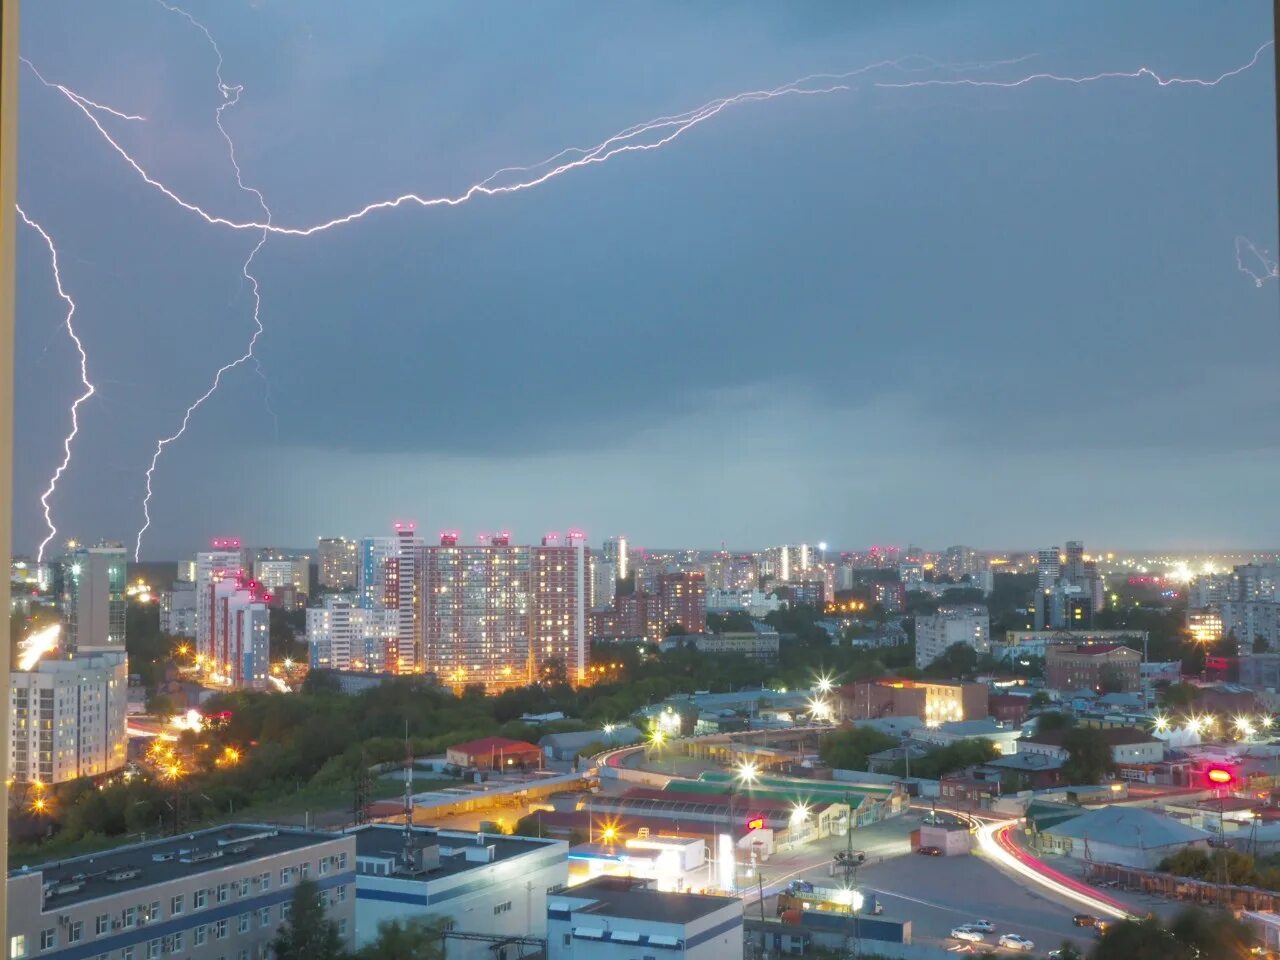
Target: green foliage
{"type": "Point", "coordinates": [848, 749]}
{"type": "Point", "coordinates": [1090, 756]}
{"type": "Point", "coordinates": [307, 934]}
{"type": "Point", "coordinates": [951, 758]}
{"type": "Point", "coordinates": [1225, 866]}
{"type": "Point", "coordinates": [735, 621]}
{"type": "Point", "coordinates": [417, 938]}
{"type": "Point", "coordinates": [1179, 696]}
{"type": "Point", "coordinates": [1041, 699]}
{"type": "Point", "coordinates": [1052, 720]}
{"type": "Point", "coordinates": [148, 649]}
{"type": "Point", "coordinates": [958, 660]}
{"type": "Point", "coordinates": [1191, 935]}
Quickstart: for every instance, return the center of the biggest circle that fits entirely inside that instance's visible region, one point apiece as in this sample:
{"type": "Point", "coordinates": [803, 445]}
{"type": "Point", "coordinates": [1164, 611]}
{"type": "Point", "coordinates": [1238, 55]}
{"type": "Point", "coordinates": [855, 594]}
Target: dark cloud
{"type": "Point", "coordinates": [1015, 272]}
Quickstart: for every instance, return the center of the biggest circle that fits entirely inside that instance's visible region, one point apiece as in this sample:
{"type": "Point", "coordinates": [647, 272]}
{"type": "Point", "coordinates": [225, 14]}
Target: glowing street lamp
{"type": "Point", "coordinates": [799, 814]}
{"type": "Point", "coordinates": [1161, 723]}
{"type": "Point", "coordinates": [748, 772]}
{"type": "Point", "coordinates": [825, 684]}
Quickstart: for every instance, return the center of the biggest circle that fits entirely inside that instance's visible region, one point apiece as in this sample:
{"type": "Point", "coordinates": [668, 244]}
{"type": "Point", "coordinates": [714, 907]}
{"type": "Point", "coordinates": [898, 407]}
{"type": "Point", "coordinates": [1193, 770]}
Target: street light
{"type": "Point", "coordinates": [824, 683]}
{"type": "Point", "coordinates": [747, 772]}
{"type": "Point", "coordinates": [1161, 723]}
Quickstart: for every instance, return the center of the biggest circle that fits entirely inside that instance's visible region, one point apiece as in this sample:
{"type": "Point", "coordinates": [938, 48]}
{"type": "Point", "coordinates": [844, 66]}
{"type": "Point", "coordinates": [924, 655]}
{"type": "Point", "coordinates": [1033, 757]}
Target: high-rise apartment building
{"type": "Point", "coordinates": [970, 625]}
{"type": "Point", "coordinates": [93, 600]}
{"type": "Point", "coordinates": [615, 552]}
{"type": "Point", "coordinates": [178, 610]}
{"type": "Point", "coordinates": [224, 559]}
{"type": "Point", "coordinates": [278, 571]}
{"type": "Point", "coordinates": [502, 614]}
{"type": "Point", "coordinates": [371, 580]}
{"type": "Point", "coordinates": [404, 594]}
{"type": "Point", "coordinates": [339, 560]}
{"type": "Point", "coordinates": [67, 717]}
{"type": "Point", "coordinates": [1048, 567]}
{"type": "Point", "coordinates": [240, 631]}
{"type": "Point", "coordinates": [344, 636]}
{"type": "Point", "coordinates": [604, 584]}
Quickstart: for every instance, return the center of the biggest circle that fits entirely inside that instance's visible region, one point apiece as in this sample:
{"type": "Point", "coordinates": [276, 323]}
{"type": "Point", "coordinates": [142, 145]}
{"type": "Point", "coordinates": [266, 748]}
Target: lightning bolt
{"type": "Point", "coordinates": [1138, 74]}
{"type": "Point", "coordinates": [230, 97]}
{"type": "Point", "coordinates": [641, 137]}
{"type": "Point", "coordinates": [89, 389]}
{"type": "Point", "coordinates": [1249, 259]}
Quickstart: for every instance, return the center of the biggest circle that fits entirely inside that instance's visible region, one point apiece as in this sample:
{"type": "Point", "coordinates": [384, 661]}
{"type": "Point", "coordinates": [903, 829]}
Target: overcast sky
{"type": "Point", "coordinates": [1003, 317]}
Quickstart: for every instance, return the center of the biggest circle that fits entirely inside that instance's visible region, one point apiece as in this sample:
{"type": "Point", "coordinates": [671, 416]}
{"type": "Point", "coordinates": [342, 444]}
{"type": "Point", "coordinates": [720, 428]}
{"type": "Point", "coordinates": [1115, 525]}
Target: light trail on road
{"type": "Point", "coordinates": [993, 842]}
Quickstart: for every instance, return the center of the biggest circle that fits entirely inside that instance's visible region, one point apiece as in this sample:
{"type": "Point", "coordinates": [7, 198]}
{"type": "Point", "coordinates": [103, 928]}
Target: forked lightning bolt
{"type": "Point", "coordinates": [89, 389]}
{"type": "Point", "coordinates": [230, 97]}
{"type": "Point", "coordinates": [642, 137]}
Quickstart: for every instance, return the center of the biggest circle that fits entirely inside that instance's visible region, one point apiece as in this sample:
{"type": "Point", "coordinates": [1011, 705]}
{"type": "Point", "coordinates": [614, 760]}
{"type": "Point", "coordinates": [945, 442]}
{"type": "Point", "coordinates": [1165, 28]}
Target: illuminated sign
{"type": "Point", "coordinates": [755, 823]}
{"type": "Point", "coordinates": [1219, 775]}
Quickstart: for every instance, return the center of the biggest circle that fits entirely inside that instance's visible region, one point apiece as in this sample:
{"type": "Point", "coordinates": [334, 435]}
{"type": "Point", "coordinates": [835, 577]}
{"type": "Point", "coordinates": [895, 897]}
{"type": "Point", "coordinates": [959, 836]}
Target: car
{"type": "Point", "coordinates": [985, 926]}
{"type": "Point", "coordinates": [1085, 920]}
{"type": "Point", "coordinates": [967, 932]}
{"type": "Point", "coordinates": [930, 851]}
{"type": "Point", "coordinates": [1012, 941]}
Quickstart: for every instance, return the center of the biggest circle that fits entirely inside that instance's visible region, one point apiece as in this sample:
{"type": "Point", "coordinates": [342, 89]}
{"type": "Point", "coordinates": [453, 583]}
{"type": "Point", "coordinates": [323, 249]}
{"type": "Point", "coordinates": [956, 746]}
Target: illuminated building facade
{"type": "Point", "coordinates": [934, 702]}
{"type": "Point", "coordinates": [1205, 626]}
{"type": "Point", "coordinates": [339, 562]}
{"type": "Point", "coordinates": [239, 638]}
{"type": "Point", "coordinates": [1093, 667]}
{"type": "Point", "coordinates": [67, 717]}
{"type": "Point", "coordinates": [344, 636]}
{"type": "Point", "coordinates": [224, 559]}
{"type": "Point", "coordinates": [93, 600]}
{"type": "Point", "coordinates": [500, 614]}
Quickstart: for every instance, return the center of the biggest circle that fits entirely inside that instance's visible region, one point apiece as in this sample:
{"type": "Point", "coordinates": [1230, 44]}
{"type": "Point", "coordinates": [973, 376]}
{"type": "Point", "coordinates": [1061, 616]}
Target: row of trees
{"type": "Point", "coordinates": [309, 934]}
{"type": "Point", "coordinates": [1225, 866]}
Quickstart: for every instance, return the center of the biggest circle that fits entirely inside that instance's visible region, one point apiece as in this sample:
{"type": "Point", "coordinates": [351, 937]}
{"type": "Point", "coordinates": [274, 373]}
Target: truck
{"type": "Point", "coordinates": [802, 895]}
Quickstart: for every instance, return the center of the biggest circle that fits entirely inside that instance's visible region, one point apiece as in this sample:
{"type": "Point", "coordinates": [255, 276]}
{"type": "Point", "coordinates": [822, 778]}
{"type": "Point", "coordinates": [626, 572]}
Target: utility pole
{"type": "Point", "coordinates": [8, 198]}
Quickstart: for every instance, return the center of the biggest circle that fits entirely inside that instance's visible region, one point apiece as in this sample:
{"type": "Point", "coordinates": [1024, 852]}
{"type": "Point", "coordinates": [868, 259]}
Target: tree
{"type": "Point", "coordinates": [1191, 935]}
{"type": "Point", "coordinates": [307, 934]}
{"type": "Point", "coordinates": [957, 660]}
{"type": "Point", "coordinates": [1053, 720]}
{"type": "Point", "coordinates": [1041, 699]}
{"type": "Point", "coordinates": [1179, 696]}
{"type": "Point", "coordinates": [848, 749]}
{"type": "Point", "coordinates": [1090, 755]}
{"type": "Point", "coordinates": [160, 705]}
{"type": "Point", "coordinates": [417, 938]}
{"type": "Point", "coordinates": [1260, 644]}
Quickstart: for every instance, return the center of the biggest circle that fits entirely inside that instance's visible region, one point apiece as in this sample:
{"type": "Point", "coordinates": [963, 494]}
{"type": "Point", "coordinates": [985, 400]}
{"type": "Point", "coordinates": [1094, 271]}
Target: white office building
{"type": "Point", "coordinates": [618, 918]}
{"type": "Point", "coordinates": [496, 886]}
{"type": "Point", "coordinates": [67, 717]}
{"type": "Point", "coordinates": [754, 603]}
{"type": "Point", "coordinates": [970, 625]}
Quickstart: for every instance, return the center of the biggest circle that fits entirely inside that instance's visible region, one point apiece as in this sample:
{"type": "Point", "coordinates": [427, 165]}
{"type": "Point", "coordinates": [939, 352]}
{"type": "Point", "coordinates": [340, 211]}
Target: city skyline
{"type": "Point", "coordinates": [614, 371]}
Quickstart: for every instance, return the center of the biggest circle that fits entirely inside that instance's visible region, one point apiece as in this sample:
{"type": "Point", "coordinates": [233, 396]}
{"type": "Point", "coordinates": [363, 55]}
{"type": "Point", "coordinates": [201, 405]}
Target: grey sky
{"type": "Point", "coordinates": [941, 314]}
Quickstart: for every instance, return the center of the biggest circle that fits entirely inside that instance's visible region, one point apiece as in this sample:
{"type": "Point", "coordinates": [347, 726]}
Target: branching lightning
{"type": "Point", "coordinates": [230, 97]}
{"type": "Point", "coordinates": [89, 388]}
{"type": "Point", "coordinates": [1255, 262]}
{"type": "Point", "coordinates": [642, 137]}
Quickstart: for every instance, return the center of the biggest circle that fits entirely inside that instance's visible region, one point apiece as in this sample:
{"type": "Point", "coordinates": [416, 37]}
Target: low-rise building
{"type": "Point", "coordinates": [214, 893]}
{"type": "Point", "coordinates": [1129, 745]}
{"type": "Point", "coordinates": [612, 918]}
{"type": "Point", "coordinates": [1004, 739]}
{"type": "Point", "coordinates": [1096, 667]}
{"type": "Point", "coordinates": [493, 885]}
{"type": "Point", "coordinates": [1036, 643]}
{"type": "Point", "coordinates": [1129, 836]}
{"type": "Point", "coordinates": [934, 702]}
{"type": "Point", "coordinates": [494, 753]}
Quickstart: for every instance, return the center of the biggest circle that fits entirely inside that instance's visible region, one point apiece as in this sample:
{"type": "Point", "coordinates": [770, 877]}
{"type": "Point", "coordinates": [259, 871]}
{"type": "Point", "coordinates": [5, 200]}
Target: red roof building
{"type": "Point", "coordinates": [495, 753]}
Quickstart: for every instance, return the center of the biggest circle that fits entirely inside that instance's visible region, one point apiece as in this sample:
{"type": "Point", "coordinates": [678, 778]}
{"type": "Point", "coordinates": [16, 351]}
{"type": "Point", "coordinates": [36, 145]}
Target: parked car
{"type": "Point", "coordinates": [986, 926]}
{"type": "Point", "coordinates": [1012, 941]}
{"type": "Point", "coordinates": [967, 933]}
{"type": "Point", "coordinates": [930, 851]}
{"type": "Point", "coordinates": [1085, 920]}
